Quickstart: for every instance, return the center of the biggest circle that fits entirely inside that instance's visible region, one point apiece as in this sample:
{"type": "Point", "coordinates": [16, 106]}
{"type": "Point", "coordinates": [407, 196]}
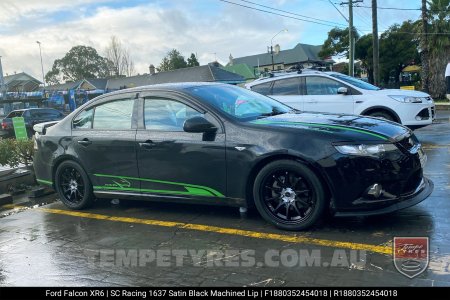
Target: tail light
{"type": "Point", "coordinates": [4, 125]}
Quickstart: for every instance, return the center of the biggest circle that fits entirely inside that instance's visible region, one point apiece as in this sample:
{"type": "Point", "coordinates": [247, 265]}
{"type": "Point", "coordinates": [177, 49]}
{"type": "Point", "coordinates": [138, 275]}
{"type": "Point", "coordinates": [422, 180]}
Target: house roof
{"type": "Point", "coordinates": [300, 53]}
{"type": "Point", "coordinates": [205, 73]}
{"type": "Point", "coordinates": [241, 69]}
{"type": "Point", "coordinates": [64, 86]}
{"type": "Point", "coordinates": [21, 81]}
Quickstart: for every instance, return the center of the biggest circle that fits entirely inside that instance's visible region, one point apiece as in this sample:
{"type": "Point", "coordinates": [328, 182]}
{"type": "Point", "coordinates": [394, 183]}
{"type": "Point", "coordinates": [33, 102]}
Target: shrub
{"type": "Point", "coordinates": [14, 152]}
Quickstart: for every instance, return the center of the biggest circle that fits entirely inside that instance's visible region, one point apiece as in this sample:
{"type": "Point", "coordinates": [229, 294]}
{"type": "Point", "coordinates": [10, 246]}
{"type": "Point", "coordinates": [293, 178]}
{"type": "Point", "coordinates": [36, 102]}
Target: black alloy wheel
{"type": "Point", "coordinates": [289, 195]}
{"type": "Point", "coordinates": [73, 185]}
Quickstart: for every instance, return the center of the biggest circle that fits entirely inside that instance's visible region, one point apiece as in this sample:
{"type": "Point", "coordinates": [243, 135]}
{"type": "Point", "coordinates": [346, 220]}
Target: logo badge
{"type": "Point", "coordinates": [411, 255]}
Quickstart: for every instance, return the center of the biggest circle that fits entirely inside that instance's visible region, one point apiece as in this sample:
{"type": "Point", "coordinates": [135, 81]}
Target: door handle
{"type": "Point", "coordinates": [311, 101]}
{"type": "Point", "coordinates": [85, 142]}
{"type": "Point", "coordinates": [147, 144]}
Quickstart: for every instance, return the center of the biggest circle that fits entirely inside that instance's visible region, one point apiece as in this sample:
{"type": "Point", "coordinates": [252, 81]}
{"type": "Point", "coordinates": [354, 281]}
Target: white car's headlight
{"type": "Point", "coordinates": [365, 149]}
{"type": "Point", "coordinates": [409, 99]}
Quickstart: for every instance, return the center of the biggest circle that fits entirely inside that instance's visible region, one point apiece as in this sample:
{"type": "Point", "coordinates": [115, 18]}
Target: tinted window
{"type": "Point", "coordinates": [114, 115]}
{"type": "Point", "coordinates": [321, 86]}
{"type": "Point", "coordinates": [263, 88]}
{"type": "Point", "coordinates": [84, 119]}
{"type": "Point", "coordinates": [288, 86]}
{"type": "Point", "coordinates": [167, 115]}
{"type": "Point", "coordinates": [238, 102]}
{"type": "Point", "coordinates": [14, 114]}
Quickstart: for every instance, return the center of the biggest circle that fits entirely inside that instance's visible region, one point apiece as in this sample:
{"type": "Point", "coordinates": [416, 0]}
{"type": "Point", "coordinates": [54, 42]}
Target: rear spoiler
{"type": "Point", "coordinates": [41, 128]}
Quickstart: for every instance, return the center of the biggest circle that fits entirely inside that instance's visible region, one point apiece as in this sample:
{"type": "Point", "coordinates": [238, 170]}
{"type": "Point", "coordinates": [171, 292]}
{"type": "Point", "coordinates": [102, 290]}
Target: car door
{"type": "Point", "coordinates": [176, 163]}
{"type": "Point", "coordinates": [288, 92]}
{"type": "Point", "coordinates": [321, 95]}
{"type": "Point", "coordinates": [103, 139]}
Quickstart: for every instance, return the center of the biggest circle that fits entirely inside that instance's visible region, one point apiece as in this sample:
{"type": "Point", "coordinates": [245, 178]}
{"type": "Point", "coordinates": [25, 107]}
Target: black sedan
{"type": "Point", "coordinates": [221, 144]}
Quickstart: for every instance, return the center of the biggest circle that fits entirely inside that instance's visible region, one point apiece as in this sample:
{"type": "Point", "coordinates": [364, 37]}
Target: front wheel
{"type": "Point", "coordinates": [73, 185]}
{"type": "Point", "coordinates": [382, 115]}
{"type": "Point", "coordinates": [289, 195]}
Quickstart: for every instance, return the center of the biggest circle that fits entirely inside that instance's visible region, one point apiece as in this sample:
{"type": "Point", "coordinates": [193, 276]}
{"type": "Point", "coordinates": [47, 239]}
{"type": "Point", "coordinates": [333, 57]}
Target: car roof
{"type": "Point", "coordinates": [283, 75]}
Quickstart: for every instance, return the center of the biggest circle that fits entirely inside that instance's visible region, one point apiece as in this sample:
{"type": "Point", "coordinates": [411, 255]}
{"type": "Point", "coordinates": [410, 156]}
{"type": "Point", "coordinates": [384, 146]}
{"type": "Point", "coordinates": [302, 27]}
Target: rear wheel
{"type": "Point", "coordinates": [289, 195]}
{"type": "Point", "coordinates": [382, 115]}
{"type": "Point", "coordinates": [73, 185]}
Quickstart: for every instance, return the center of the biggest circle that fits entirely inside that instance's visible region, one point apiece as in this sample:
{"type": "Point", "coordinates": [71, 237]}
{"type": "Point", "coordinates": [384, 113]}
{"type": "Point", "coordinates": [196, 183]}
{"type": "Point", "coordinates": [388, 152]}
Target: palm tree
{"type": "Point", "coordinates": [438, 45]}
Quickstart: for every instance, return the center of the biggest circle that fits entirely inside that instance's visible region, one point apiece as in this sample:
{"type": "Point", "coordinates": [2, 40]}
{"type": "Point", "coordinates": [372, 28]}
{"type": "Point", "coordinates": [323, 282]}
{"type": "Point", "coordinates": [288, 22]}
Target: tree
{"type": "Point", "coordinates": [172, 61]}
{"type": "Point", "coordinates": [120, 57]}
{"type": "Point", "coordinates": [192, 61]}
{"type": "Point", "coordinates": [337, 43]}
{"type": "Point", "coordinates": [438, 45]}
{"type": "Point", "coordinates": [364, 52]}
{"type": "Point", "coordinates": [398, 48]}
{"type": "Point", "coordinates": [79, 63]}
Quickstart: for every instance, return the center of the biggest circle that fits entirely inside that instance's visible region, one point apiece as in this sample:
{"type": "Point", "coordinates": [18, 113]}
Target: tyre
{"type": "Point", "coordinates": [73, 185]}
{"type": "Point", "coordinates": [382, 115]}
{"type": "Point", "coordinates": [289, 195]}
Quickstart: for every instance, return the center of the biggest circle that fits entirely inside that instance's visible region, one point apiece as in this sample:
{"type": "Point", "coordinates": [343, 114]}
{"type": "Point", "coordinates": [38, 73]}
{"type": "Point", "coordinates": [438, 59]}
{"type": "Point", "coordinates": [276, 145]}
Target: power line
{"type": "Point", "coordinates": [277, 14]}
{"type": "Point", "coordinates": [400, 8]}
{"type": "Point", "coordinates": [291, 13]}
{"type": "Point", "coordinates": [339, 11]}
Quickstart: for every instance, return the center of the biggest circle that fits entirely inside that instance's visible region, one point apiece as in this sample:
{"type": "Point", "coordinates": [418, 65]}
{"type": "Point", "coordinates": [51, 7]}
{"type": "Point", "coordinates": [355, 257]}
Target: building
{"type": "Point", "coordinates": [244, 70]}
{"type": "Point", "coordinates": [302, 54]}
{"type": "Point", "coordinates": [207, 73]}
{"type": "Point", "coordinates": [20, 90]}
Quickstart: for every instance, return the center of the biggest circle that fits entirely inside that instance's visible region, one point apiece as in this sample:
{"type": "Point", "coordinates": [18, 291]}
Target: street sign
{"type": "Point", "coordinates": [19, 128]}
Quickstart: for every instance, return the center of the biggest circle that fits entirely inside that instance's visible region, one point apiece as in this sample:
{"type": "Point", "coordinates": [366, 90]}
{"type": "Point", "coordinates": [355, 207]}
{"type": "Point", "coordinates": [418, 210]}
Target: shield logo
{"type": "Point", "coordinates": [411, 255]}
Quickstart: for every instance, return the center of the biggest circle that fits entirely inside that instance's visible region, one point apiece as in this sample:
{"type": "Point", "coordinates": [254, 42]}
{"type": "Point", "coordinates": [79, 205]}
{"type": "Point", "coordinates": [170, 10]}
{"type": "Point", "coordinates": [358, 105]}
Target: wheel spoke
{"type": "Point", "coordinates": [278, 207]}
{"type": "Point", "coordinates": [287, 211]}
{"type": "Point", "coordinates": [296, 209]}
{"type": "Point", "coordinates": [282, 184]}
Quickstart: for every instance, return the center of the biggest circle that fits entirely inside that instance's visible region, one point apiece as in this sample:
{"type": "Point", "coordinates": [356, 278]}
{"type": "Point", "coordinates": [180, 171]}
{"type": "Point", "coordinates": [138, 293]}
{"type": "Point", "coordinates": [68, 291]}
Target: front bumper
{"type": "Point", "coordinates": [421, 193]}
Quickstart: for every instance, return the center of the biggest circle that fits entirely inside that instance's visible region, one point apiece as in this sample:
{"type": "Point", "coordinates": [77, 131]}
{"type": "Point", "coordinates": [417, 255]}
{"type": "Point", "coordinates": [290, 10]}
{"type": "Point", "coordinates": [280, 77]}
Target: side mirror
{"type": "Point", "coordinates": [198, 124]}
{"type": "Point", "coordinates": [342, 91]}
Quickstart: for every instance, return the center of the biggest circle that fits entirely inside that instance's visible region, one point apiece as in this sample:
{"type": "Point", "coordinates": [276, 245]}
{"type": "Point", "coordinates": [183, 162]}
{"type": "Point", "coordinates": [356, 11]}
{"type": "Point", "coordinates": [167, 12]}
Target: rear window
{"type": "Point", "coordinates": [15, 114]}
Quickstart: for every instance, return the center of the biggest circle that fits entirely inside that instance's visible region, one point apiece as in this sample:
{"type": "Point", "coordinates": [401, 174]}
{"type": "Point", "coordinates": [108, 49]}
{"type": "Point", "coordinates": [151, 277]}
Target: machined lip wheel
{"type": "Point", "coordinates": [288, 196]}
{"type": "Point", "coordinates": [72, 185]}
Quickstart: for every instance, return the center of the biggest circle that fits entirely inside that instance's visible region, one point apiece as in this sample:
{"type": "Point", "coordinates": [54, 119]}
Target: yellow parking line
{"type": "Point", "coordinates": [223, 230]}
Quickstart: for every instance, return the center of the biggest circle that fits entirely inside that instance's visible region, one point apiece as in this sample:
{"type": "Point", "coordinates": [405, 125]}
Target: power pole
{"type": "Point", "coordinates": [351, 70]}
{"type": "Point", "coordinates": [351, 48]}
{"type": "Point", "coordinates": [424, 47]}
{"type": "Point", "coordinates": [375, 44]}
{"type": "Point", "coordinates": [2, 83]}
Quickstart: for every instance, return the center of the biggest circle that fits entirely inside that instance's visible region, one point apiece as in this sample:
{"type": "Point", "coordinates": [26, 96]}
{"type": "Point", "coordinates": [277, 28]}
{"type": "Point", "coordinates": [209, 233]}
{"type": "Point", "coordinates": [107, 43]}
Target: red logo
{"type": "Point", "coordinates": [411, 255]}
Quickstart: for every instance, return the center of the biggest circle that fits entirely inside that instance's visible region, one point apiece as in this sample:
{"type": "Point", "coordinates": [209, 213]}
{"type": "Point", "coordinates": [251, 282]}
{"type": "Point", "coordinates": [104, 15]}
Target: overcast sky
{"type": "Point", "coordinates": [210, 28]}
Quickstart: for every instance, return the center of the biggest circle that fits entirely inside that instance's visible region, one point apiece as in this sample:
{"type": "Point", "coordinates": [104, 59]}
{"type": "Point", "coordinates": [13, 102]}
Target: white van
{"type": "Point", "coordinates": [334, 92]}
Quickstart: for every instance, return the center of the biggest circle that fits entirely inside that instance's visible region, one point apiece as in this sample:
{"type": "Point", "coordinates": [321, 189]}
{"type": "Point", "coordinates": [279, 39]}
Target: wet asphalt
{"type": "Point", "coordinates": [124, 245]}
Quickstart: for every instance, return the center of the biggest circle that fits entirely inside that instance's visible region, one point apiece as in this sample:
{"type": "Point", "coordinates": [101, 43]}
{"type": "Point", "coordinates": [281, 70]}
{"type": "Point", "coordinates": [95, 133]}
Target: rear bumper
{"type": "Point", "coordinates": [422, 192]}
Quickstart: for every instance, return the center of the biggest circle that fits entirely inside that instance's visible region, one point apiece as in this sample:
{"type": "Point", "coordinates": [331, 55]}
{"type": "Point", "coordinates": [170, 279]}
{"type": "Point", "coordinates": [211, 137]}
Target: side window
{"type": "Point", "coordinates": [167, 115]}
{"type": "Point", "coordinates": [84, 119]}
{"type": "Point", "coordinates": [288, 86]}
{"type": "Point", "coordinates": [321, 86]}
{"type": "Point", "coordinates": [114, 115]}
{"type": "Point", "coordinates": [263, 88]}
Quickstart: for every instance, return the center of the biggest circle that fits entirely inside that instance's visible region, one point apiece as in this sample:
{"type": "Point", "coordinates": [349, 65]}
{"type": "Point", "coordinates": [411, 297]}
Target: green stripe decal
{"type": "Point", "coordinates": [264, 122]}
{"type": "Point", "coordinates": [44, 181]}
{"type": "Point", "coordinates": [190, 189]}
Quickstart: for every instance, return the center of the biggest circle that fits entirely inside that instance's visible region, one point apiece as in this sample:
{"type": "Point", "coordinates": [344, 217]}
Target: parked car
{"type": "Point", "coordinates": [220, 144]}
{"type": "Point", "coordinates": [31, 117]}
{"type": "Point", "coordinates": [334, 92]}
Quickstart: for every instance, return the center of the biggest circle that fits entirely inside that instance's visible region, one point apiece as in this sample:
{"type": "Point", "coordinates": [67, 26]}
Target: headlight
{"type": "Point", "coordinates": [365, 150]}
{"type": "Point", "coordinates": [409, 99]}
